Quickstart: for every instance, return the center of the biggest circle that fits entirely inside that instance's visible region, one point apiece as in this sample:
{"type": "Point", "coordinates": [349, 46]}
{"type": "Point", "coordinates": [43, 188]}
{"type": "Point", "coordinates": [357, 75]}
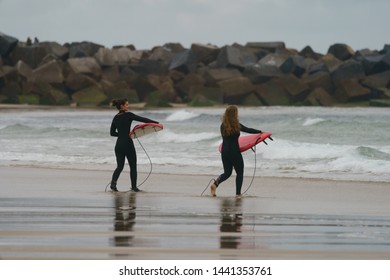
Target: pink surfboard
{"type": "Point", "coordinates": [145, 128]}
{"type": "Point", "coordinates": [248, 141]}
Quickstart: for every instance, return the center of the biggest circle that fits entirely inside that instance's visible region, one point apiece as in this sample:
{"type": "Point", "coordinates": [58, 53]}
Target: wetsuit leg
{"type": "Point", "coordinates": [227, 168]}
{"type": "Point", "coordinates": [132, 160]}
{"type": "Point", "coordinates": [238, 165]}
{"type": "Point", "coordinates": [120, 161]}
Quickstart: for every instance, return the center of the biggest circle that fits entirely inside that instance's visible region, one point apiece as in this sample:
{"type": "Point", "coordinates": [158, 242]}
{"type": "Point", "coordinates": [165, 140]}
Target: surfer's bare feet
{"type": "Point", "coordinates": [135, 189]}
{"type": "Point", "coordinates": [213, 189]}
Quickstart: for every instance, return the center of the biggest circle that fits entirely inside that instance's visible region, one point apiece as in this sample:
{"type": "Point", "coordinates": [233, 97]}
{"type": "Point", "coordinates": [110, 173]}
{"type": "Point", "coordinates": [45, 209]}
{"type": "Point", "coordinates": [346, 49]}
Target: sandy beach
{"type": "Point", "coordinates": [66, 214]}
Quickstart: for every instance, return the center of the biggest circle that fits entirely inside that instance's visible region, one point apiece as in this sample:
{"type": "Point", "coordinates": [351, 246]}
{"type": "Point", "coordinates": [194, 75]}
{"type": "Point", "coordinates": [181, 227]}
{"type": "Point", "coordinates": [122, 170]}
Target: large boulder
{"type": "Point", "coordinates": [269, 46]}
{"type": "Point", "coordinates": [190, 85]}
{"type": "Point", "coordinates": [24, 70]}
{"type": "Point", "coordinates": [341, 51]}
{"type": "Point", "coordinates": [386, 58]}
{"type": "Point", "coordinates": [211, 94]}
{"type": "Point", "coordinates": [272, 94]}
{"type": "Point", "coordinates": [46, 93]}
{"type": "Point", "coordinates": [184, 61]}
{"type": "Point", "coordinates": [319, 97]}
{"type": "Point", "coordinates": [378, 80]}
{"type": "Point", "coordinates": [50, 73]}
{"type": "Point", "coordinates": [91, 96]}
{"type": "Point", "coordinates": [295, 65]}
{"type": "Point", "coordinates": [261, 73]}
{"type": "Point", "coordinates": [330, 61]}
{"type": "Point", "coordinates": [374, 64]}
{"type": "Point", "coordinates": [164, 85]}
{"type": "Point", "coordinates": [120, 90]}
{"type": "Point", "coordinates": [56, 49]}
{"type": "Point", "coordinates": [7, 44]}
{"type": "Point", "coordinates": [350, 90]}
{"type": "Point", "coordinates": [10, 74]}
{"type": "Point", "coordinates": [82, 49]}
{"type": "Point", "coordinates": [111, 74]}
{"type": "Point", "coordinates": [157, 99]}
{"type": "Point", "coordinates": [10, 92]}
{"type": "Point", "coordinates": [308, 52]}
{"type": "Point", "coordinates": [274, 59]}
{"type": "Point", "coordinates": [174, 47]}
{"type": "Point", "coordinates": [110, 57]}
{"type": "Point", "coordinates": [320, 79]}
{"type": "Point", "coordinates": [85, 65]}
{"type": "Point", "coordinates": [214, 76]}
{"type": "Point", "coordinates": [149, 66]}
{"type": "Point", "coordinates": [2, 82]}
{"type": "Point", "coordinates": [235, 57]}
{"type": "Point", "coordinates": [32, 55]}
{"type": "Point", "coordinates": [205, 53]}
{"type": "Point", "coordinates": [349, 70]}
{"type": "Point", "coordinates": [77, 81]}
{"type": "Point", "coordinates": [161, 54]}
{"type": "Point", "coordinates": [251, 100]}
{"type": "Point", "coordinates": [236, 87]}
{"type": "Point", "coordinates": [295, 87]}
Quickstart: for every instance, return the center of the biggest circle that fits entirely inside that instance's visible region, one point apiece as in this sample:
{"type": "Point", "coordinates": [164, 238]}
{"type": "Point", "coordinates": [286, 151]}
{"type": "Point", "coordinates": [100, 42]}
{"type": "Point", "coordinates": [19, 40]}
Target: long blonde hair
{"type": "Point", "coordinates": [230, 122]}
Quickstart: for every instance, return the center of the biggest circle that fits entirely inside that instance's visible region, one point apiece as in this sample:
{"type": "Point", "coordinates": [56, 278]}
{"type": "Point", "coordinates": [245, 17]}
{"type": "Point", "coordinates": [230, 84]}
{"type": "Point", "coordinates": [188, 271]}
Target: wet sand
{"type": "Point", "coordinates": [66, 214]}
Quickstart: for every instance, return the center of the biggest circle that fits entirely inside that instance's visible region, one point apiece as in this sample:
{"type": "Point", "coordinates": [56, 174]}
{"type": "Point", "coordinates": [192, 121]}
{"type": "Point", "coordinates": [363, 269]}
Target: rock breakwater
{"type": "Point", "coordinates": [254, 74]}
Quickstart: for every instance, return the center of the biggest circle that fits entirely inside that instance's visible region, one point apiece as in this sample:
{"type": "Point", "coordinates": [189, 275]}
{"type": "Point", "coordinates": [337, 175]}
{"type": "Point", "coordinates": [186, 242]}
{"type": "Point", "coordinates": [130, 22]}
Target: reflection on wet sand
{"type": "Point", "coordinates": [231, 221]}
{"type": "Point", "coordinates": [124, 220]}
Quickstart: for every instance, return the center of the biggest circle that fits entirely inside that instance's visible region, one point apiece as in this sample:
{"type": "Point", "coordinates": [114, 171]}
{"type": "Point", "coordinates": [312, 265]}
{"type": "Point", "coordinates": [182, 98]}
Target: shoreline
{"type": "Point", "coordinates": [246, 177]}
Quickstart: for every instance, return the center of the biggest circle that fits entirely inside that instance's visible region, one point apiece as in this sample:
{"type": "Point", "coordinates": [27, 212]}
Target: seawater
{"type": "Point", "coordinates": [309, 142]}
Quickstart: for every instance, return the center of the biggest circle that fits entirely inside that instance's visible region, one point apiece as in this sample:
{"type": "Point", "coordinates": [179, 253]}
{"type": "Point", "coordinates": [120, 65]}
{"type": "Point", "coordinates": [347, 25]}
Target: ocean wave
{"type": "Point", "coordinates": [312, 121]}
{"type": "Point", "coordinates": [286, 149]}
{"type": "Point", "coordinates": [181, 115]}
{"type": "Point", "coordinates": [373, 153]}
{"type": "Point", "coordinates": [168, 136]}
{"type": "Point", "coordinates": [15, 130]}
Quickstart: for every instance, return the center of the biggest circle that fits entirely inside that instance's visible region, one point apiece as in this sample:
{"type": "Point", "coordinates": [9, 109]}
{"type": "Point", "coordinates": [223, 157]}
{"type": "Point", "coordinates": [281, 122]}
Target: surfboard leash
{"type": "Point", "coordinates": [150, 161]}
{"type": "Point", "coordinates": [206, 187]}
{"type": "Point", "coordinates": [254, 170]}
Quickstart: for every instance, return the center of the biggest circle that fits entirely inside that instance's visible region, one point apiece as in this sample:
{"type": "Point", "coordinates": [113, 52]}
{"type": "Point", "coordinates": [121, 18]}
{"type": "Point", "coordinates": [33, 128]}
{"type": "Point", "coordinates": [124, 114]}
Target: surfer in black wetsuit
{"type": "Point", "coordinates": [231, 155]}
{"type": "Point", "coordinates": [124, 148]}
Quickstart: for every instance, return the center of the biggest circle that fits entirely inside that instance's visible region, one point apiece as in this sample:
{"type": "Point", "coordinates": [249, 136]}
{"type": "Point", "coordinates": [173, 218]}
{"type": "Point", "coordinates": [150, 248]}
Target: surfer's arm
{"type": "Point", "coordinates": [113, 131]}
{"type": "Point", "coordinates": [243, 128]}
{"type": "Point", "coordinates": [142, 119]}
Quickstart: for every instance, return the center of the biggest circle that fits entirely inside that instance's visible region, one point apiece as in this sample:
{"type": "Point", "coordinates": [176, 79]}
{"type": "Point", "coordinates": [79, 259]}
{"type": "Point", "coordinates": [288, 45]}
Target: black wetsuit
{"type": "Point", "coordinates": [232, 158]}
{"type": "Point", "coordinates": [124, 148]}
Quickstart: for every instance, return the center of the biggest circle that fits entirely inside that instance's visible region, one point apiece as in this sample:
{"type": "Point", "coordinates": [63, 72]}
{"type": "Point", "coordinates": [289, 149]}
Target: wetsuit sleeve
{"type": "Point", "coordinates": [243, 128]}
{"type": "Point", "coordinates": [142, 119]}
{"type": "Point", "coordinates": [113, 131]}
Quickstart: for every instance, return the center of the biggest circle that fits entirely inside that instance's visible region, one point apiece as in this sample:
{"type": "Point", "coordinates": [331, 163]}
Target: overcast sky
{"type": "Point", "coordinates": [149, 23]}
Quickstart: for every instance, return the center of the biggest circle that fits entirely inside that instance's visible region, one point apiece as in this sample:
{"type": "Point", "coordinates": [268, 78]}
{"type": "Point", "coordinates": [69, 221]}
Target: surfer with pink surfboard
{"type": "Point", "coordinates": [124, 147]}
{"type": "Point", "coordinates": [230, 148]}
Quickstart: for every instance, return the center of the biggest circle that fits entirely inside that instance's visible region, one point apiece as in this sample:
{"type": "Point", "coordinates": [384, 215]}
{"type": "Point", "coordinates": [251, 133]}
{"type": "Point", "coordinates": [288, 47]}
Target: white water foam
{"type": "Point", "coordinates": [181, 115]}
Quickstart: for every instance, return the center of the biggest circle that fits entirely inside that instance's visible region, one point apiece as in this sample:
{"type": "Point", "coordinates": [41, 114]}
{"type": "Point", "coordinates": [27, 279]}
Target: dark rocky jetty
{"type": "Point", "coordinates": [255, 74]}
